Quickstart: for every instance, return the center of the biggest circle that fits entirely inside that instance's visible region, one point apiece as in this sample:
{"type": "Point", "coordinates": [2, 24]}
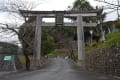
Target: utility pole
{"type": "Point", "coordinates": [118, 9]}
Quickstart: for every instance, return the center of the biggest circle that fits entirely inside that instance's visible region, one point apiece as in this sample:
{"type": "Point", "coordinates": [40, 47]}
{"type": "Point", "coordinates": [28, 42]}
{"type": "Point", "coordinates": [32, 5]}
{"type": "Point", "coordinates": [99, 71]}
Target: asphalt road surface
{"type": "Point", "coordinates": [58, 69]}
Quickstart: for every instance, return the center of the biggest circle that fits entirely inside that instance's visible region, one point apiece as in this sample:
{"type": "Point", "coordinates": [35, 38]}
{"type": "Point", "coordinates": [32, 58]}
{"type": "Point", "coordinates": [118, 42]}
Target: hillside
{"type": "Point", "coordinates": [111, 40]}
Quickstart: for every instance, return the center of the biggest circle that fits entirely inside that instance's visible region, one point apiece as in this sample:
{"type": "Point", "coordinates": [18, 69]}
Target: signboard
{"type": "Point", "coordinates": [8, 58]}
{"type": "Point", "coordinates": [59, 18]}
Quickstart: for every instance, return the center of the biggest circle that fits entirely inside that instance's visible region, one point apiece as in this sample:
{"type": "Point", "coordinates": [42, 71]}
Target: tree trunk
{"type": "Point", "coordinates": [27, 61]}
{"type": "Point", "coordinates": [102, 38]}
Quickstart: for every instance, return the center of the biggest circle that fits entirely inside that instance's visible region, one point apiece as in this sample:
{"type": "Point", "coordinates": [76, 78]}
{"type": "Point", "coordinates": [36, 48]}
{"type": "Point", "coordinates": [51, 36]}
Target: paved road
{"type": "Point", "coordinates": [58, 69]}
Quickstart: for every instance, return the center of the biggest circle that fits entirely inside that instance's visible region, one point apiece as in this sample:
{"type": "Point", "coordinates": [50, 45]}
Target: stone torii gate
{"type": "Point", "coordinates": [59, 16]}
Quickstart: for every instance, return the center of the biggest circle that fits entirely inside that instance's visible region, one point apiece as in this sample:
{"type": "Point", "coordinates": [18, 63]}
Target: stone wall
{"type": "Point", "coordinates": [106, 60]}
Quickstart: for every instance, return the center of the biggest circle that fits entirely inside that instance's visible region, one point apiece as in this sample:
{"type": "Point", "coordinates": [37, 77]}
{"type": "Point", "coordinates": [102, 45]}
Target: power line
{"type": "Point", "coordinates": [103, 1]}
{"type": "Point", "coordinates": [115, 6]}
{"type": "Point", "coordinates": [118, 9]}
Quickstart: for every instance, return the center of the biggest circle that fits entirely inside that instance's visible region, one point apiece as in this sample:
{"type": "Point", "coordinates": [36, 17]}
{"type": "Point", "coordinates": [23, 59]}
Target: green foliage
{"type": "Point", "coordinates": [67, 31]}
{"type": "Point", "coordinates": [27, 36]}
{"type": "Point", "coordinates": [48, 43]}
{"type": "Point", "coordinates": [82, 4]}
{"type": "Point", "coordinates": [56, 53]}
{"type": "Point", "coordinates": [112, 39]}
{"type": "Point", "coordinates": [117, 25]}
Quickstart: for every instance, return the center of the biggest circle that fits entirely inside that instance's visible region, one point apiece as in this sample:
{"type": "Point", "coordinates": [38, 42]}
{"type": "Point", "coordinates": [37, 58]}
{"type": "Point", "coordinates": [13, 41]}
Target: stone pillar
{"type": "Point", "coordinates": [37, 43]}
{"type": "Point", "coordinates": [80, 39]}
{"type": "Point", "coordinates": [113, 27]}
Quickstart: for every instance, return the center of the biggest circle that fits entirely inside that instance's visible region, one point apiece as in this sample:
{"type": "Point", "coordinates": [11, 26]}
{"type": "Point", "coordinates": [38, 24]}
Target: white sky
{"type": "Point", "coordinates": [63, 5]}
{"type": "Point", "coordinates": [58, 5]}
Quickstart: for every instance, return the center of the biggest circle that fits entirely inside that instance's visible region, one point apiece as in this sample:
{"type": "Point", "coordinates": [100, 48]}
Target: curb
{"type": "Point", "coordinates": [12, 73]}
{"type": "Point", "coordinates": [4, 73]}
{"type": "Point", "coordinates": [116, 77]}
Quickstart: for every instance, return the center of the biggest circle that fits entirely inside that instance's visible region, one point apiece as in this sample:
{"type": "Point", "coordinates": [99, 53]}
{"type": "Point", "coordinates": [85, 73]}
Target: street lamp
{"type": "Point", "coordinates": [91, 33]}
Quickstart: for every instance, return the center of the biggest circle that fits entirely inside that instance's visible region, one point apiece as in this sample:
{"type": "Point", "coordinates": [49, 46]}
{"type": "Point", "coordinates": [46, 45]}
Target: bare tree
{"type": "Point", "coordinates": [12, 8]}
{"type": "Point", "coordinates": [100, 18]}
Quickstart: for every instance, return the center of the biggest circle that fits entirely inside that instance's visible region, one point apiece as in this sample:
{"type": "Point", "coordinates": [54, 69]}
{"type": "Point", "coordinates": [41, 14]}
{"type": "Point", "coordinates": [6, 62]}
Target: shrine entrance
{"type": "Point", "coordinates": [59, 21]}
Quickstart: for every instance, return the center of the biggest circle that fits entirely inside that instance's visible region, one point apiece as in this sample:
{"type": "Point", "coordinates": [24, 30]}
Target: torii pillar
{"type": "Point", "coordinates": [37, 44]}
{"type": "Point", "coordinates": [80, 39]}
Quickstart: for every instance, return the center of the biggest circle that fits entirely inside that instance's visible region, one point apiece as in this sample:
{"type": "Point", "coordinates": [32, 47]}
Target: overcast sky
{"type": "Point", "coordinates": [57, 5]}
{"type": "Point", "coordinates": [61, 5]}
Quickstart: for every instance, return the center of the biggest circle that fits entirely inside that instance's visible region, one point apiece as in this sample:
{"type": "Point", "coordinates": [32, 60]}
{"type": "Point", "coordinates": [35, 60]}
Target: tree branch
{"type": "Point", "coordinates": [108, 3]}
{"type": "Point", "coordinates": [9, 28]}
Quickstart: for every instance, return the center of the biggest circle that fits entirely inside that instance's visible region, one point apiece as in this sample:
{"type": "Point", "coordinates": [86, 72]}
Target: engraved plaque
{"type": "Point", "coordinates": [59, 19]}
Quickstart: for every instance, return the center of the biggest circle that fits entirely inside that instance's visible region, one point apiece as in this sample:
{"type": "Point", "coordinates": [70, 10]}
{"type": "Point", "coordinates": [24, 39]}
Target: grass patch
{"type": "Point", "coordinates": [56, 53]}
